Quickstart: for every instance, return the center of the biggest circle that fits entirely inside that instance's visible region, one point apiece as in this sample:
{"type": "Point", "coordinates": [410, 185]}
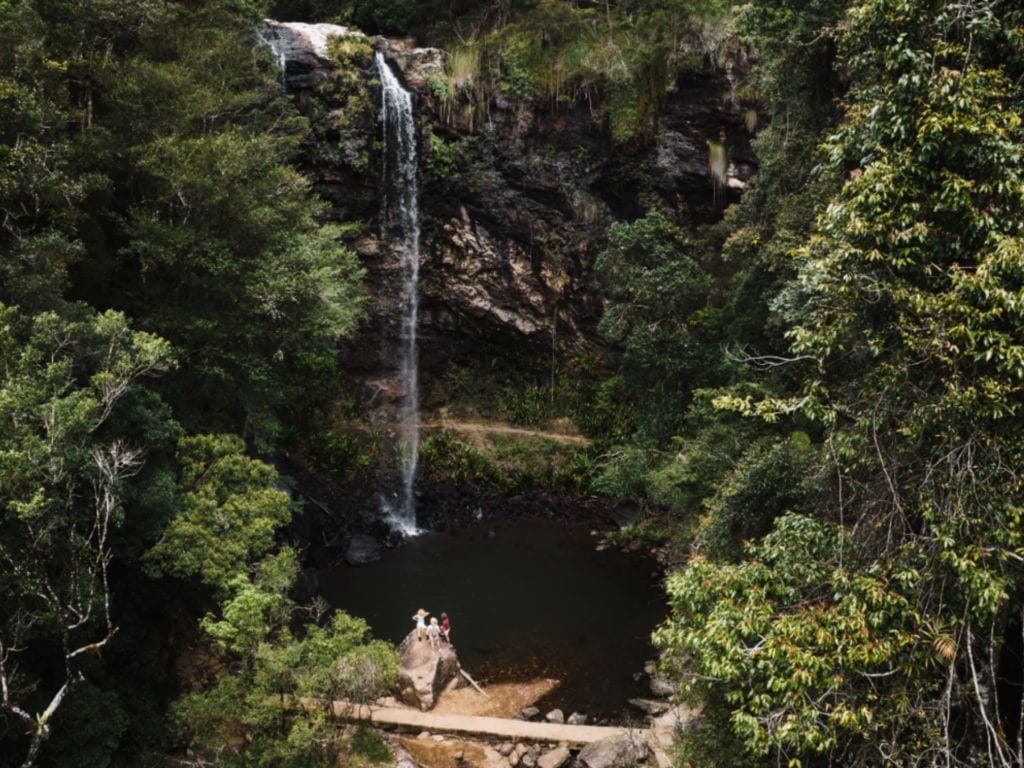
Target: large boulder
{"type": "Point", "coordinates": [623, 750]}
{"type": "Point", "coordinates": [403, 759]}
{"type": "Point", "coordinates": [423, 671]}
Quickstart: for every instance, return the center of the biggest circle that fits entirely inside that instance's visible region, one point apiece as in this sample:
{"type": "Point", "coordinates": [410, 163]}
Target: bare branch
{"type": "Point", "coordinates": [766, 362]}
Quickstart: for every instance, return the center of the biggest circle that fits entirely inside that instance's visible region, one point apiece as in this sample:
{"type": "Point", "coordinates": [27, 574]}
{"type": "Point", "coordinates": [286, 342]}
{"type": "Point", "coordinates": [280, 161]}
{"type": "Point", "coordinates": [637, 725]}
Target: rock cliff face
{"type": "Point", "coordinates": [515, 198]}
{"type": "Point", "coordinates": [513, 208]}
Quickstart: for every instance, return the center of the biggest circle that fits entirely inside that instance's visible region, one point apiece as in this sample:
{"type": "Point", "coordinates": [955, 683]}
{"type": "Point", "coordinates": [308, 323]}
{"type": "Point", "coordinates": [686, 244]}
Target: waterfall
{"type": "Point", "coordinates": [401, 230]}
{"type": "Point", "coordinates": [269, 35]}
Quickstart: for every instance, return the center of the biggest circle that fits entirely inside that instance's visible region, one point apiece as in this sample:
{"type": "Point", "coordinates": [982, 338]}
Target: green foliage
{"type": "Point", "coordinates": [623, 57]}
{"type": "Point", "coordinates": [350, 51]}
{"type": "Point", "coordinates": [256, 607]}
{"type": "Point", "coordinates": [624, 473]}
{"type": "Point", "coordinates": [658, 313]}
{"type": "Point", "coordinates": [770, 479]}
{"type": "Point", "coordinates": [438, 86]}
{"type": "Point", "coordinates": [710, 741]}
{"type": "Point", "coordinates": [528, 404]}
{"type": "Point", "coordinates": [145, 157]}
{"type": "Point", "coordinates": [506, 463]}
{"type": "Point", "coordinates": [904, 339]}
{"type": "Point", "coordinates": [791, 634]}
{"type": "Point", "coordinates": [147, 149]}
{"type": "Point", "coordinates": [282, 686]}
{"type": "Point", "coordinates": [231, 511]}
{"type": "Point", "coordinates": [382, 16]}
{"type": "Point", "coordinates": [698, 460]}
{"type": "Point", "coordinates": [340, 454]}
{"type": "Point", "coordinates": [89, 729]}
{"type": "Point", "coordinates": [370, 745]}
{"type": "Point", "coordinates": [523, 395]}
{"type": "Point", "coordinates": [444, 457]}
{"type": "Point", "coordinates": [63, 468]}
{"type": "Point", "coordinates": [645, 532]}
{"type": "Point", "coordinates": [533, 462]}
{"type": "Point", "coordinates": [443, 158]}
{"type": "Point", "coordinates": [867, 292]}
{"type": "Point", "coordinates": [515, 80]}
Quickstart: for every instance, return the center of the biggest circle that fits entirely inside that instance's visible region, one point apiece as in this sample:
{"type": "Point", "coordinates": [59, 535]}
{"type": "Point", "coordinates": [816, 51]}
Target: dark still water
{"type": "Point", "coordinates": [533, 600]}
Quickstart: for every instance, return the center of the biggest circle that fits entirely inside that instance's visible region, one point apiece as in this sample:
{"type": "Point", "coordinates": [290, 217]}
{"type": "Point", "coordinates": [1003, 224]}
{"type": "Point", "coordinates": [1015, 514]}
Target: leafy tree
{"type": "Point", "coordinates": [276, 707]}
{"type": "Point", "coordinates": [230, 512]}
{"type": "Point", "coordinates": [790, 620]}
{"type": "Point", "coordinates": [145, 164]}
{"type": "Point", "coordinates": [658, 312]}
{"type": "Point", "coordinates": [884, 648]}
{"type": "Point", "coordinates": [38, 189]}
{"type": "Point", "coordinates": [61, 498]}
{"type": "Point", "coordinates": [221, 249]}
{"type": "Point", "coordinates": [770, 478]}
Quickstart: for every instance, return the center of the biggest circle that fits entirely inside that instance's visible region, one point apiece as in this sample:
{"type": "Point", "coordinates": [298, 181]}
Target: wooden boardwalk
{"type": "Point", "coordinates": [521, 730]}
{"type": "Point", "coordinates": [505, 728]}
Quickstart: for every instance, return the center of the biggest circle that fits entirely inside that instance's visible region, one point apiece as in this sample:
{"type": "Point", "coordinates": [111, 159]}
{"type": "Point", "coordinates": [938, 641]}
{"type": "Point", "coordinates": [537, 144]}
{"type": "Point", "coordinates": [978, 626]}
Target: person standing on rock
{"type": "Point", "coordinates": [446, 627]}
{"type": "Point", "coordinates": [421, 626]}
{"type": "Point", "coordinates": [433, 631]}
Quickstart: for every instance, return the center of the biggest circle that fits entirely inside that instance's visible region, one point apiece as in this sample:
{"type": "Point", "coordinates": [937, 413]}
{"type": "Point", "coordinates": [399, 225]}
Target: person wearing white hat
{"type": "Point", "coordinates": [421, 626]}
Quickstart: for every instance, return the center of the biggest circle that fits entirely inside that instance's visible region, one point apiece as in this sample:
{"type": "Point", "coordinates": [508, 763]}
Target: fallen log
{"type": "Point", "coordinates": [472, 682]}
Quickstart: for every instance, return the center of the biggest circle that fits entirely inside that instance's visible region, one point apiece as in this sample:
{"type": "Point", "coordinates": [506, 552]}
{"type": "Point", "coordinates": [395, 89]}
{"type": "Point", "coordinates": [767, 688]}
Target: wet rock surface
{"type": "Point", "coordinates": [662, 686]}
{"type": "Point", "coordinates": [555, 716]}
{"type": "Point", "coordinates": [301, 50]}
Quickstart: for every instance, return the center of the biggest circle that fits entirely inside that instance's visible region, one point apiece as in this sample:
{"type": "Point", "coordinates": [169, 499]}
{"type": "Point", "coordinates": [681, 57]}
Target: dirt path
{"type": "Point", "coordinates": [493, 427]}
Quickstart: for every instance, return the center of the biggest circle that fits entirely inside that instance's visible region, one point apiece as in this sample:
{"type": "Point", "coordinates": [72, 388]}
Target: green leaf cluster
{"type": "Point", "coordinates": [874, 626]}
{"type": "Point", "coordinates": [151, 222]}
{"type": "Point", "coordinates": [230, 513]}
{"type": "Point", "coordinates": [276, 704]}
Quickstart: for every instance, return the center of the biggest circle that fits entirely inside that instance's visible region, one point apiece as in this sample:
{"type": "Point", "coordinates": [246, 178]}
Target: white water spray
{"type": "Point", "coordinates": [401, 229]}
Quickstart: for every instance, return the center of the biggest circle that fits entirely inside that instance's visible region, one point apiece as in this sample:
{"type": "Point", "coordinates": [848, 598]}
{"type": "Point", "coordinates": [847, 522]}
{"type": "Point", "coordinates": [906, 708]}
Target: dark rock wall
{"type": "Point", "coordinates": [514, 209]}
{"type": "Point", "coordinates": [512, 229]}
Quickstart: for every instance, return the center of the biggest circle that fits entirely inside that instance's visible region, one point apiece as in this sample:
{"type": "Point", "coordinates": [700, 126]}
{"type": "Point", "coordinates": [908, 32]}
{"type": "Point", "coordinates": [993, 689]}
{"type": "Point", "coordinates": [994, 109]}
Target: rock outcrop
{"type": "Point", "coordinates": [301, 50]}
{"type": "Point", "coordinates": [425, 671]}
{"type": "Point", "coordinates": [651, 706]}
{"type": "Point", "coordinates": [514, 209]}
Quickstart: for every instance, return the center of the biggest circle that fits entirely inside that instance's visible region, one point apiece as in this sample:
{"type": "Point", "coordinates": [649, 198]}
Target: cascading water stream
{"type": "Point", "coordinates": [401, 230]}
